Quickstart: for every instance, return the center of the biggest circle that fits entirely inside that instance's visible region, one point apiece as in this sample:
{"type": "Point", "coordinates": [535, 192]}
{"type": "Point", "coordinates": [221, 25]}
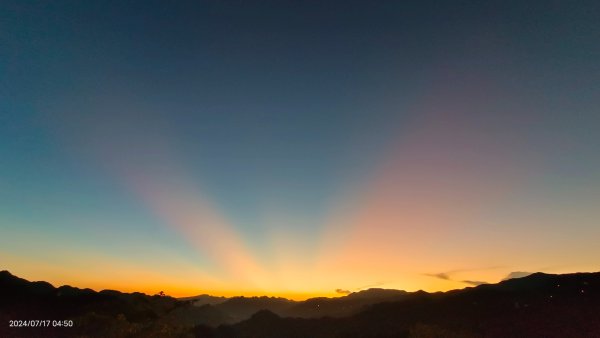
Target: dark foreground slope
{"type": "Point", "coordinates": [539, 305]}
{"type": "Point", "coordinates": [97, 314]}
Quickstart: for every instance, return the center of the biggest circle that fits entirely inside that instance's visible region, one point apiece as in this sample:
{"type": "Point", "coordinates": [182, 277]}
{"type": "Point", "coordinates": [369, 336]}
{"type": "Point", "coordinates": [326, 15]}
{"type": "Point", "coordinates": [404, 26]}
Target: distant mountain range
{"type": "Point", "coordinates": [241, 308]}
{"type": "Point", "coordinates": [539, 305]}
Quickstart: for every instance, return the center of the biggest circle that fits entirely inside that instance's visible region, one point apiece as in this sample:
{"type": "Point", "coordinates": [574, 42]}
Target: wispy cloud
{"type": "Point", "coordinates": [473, 282]}
{"type": "Point", "coordinates": [441, 275]}
{"type": "Point", "coordinates": [448, 275]}
{"type": "Point", "coordinates": [343, 291]}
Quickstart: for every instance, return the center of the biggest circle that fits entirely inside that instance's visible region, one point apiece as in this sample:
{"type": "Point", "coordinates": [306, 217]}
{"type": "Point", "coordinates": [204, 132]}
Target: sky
{"type": "Point", "coordinates": [296, 148]}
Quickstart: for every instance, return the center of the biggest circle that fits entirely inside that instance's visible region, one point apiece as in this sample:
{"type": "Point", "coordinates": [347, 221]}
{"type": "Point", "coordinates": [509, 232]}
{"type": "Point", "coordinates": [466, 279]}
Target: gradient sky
{"type": "Point", "coordinates": [298, 147]}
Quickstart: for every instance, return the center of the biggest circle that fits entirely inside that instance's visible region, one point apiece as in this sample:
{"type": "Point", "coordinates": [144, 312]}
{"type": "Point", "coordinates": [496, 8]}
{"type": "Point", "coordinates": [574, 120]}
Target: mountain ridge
{"type": "Point", "coordinates": [550, 305]}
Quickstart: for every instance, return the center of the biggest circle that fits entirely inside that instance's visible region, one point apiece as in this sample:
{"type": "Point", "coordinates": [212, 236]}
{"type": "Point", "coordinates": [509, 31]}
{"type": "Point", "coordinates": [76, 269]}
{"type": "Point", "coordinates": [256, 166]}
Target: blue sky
{"type": "Point", "coordinates": [279, 114]}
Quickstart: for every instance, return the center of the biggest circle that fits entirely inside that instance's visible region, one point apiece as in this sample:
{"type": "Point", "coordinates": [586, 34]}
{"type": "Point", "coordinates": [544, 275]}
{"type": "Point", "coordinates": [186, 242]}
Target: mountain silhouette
{"type": "Point", "coordinates": [107, 313]}
{"type": "Point", "coordinates": [341, 306]}
{"type": "Point", "coordinates": [539, 305]}
{"type": "Point", "coordinates": [242, 308]}
{"type": "Point", "coordinates": [205, 300]}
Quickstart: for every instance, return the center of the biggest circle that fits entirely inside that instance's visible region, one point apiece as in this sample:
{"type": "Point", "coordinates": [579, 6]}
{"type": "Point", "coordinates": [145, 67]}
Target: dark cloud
{"type": "Point", "coordinates": [473, 282]}
{"type": "Point", "coordinates": [441, 275]}
{"type": "Point", "coordinates": [446, 276]}
{"type": "Point", "coordinates": [343, 292]}
{"type": "Point", "coordinates": [517, 274]}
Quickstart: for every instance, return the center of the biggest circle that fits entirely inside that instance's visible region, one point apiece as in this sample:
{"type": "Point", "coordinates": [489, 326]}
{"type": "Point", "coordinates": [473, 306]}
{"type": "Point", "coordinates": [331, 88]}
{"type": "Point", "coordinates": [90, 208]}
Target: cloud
{"type": "Point", "coordinates": [473, 282]}
{"type": "Point", "coordinates": [446, 276]}
{"type": "Point", "coordinates": [343, 292]}
{"type": "Point", "coordinates": [517, 274]}
{"type": "Point", "coordinates": [441, 275]}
